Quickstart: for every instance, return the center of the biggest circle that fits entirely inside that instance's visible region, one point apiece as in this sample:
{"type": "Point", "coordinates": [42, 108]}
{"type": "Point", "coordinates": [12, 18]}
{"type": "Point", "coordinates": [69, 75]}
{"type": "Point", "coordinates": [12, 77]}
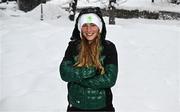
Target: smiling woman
{"type": "Point", "coordinates": [90, 64]}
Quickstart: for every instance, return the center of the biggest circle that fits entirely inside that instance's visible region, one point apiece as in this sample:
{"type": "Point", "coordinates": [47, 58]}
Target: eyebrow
{"type": "Point", "coordinates": [89, 24]}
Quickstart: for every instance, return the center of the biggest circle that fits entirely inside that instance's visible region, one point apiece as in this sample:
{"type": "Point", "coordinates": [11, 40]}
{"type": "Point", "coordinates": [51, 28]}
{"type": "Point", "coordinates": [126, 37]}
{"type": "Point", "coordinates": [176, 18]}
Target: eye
{"type": "Point", "coordinates": [84, 25]}
{"type": "Point", "coordinates": [92, 24]}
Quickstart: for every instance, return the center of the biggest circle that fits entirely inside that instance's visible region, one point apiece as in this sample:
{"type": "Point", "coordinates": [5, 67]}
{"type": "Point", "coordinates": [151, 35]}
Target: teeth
{"type": "Point", "coordinates": [90, 34]}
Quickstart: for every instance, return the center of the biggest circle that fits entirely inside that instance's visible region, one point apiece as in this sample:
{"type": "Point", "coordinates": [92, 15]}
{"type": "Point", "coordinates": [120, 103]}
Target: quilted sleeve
{"type": "Point", "coordinates": [111, 70]}
{"type": "Point", "coordinates": [70, 73]}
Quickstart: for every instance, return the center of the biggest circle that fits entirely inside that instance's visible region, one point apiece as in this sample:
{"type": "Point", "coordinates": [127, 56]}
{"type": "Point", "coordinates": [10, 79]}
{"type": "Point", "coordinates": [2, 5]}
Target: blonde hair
{"type": "Point", "coordinates": [89, 54]}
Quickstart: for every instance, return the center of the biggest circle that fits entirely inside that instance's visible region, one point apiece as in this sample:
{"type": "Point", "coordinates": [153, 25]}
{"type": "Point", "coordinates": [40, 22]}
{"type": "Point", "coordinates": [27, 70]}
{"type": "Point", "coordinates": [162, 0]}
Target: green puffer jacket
{"type": "Point", "coordinates": [87, 89]}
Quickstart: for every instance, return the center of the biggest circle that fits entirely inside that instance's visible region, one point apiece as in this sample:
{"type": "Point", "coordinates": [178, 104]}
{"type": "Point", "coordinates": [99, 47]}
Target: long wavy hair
{"type": "Point", "coordinates": [89, 54]}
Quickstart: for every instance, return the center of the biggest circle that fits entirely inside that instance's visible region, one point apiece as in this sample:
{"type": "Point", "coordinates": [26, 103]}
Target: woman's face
{"type": "Point", "coordinates": [90, 31]}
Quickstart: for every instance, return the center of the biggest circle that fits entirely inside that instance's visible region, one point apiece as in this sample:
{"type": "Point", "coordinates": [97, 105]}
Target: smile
{"type": "Point", "coordinates": [89, 34]}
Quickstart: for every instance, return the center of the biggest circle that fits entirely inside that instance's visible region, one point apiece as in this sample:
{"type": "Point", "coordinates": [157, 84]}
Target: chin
{"type": "Point", "coordinates": [90, 39]}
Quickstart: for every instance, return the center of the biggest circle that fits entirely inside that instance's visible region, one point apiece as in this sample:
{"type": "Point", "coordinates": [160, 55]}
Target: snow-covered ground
{"type": "Point", "coordinates": [158, 5]}
{"type": "Point", "coordinates": [31, 51]}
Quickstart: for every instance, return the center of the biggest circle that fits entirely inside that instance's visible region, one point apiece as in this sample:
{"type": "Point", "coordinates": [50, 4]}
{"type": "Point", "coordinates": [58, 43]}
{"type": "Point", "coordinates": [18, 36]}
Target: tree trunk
{"type": "Point", "coordinates": [112, 11]}
{"type": "Point", "coordinates": [72, 9]}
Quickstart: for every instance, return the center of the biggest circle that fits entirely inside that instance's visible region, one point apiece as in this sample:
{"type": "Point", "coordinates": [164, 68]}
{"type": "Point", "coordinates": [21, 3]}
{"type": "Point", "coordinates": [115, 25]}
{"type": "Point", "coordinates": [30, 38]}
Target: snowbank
{"type": "Point", "coordinates": [50, 11]}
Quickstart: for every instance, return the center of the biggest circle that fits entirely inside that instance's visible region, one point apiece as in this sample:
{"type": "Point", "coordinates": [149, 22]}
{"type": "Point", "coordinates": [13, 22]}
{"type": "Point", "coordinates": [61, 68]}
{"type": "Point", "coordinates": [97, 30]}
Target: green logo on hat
{"type": "Point", "coordinates": [89, 19]}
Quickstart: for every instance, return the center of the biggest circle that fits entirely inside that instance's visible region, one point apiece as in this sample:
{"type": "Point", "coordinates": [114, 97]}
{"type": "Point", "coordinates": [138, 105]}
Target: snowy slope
{"type": "Point", "coordinates": [31, 51]}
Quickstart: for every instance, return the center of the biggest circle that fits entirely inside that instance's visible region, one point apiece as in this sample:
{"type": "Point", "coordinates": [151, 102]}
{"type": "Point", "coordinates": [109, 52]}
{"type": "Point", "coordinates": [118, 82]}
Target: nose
{"type": "Point", "coordinates": [89, 28]}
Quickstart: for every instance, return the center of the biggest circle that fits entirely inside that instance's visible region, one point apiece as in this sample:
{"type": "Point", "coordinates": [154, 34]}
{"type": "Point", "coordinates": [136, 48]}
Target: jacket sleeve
{"type": "Point", "coordinates": [111, 70]}
{"type": "Point", "coordinates": [70, 73]}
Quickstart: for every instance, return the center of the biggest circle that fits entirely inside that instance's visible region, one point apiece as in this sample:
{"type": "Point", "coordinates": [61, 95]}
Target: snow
{"type": "Point", "coordinates": [158, 5]}
{"type": "Point", "coordinates": [31, 51]}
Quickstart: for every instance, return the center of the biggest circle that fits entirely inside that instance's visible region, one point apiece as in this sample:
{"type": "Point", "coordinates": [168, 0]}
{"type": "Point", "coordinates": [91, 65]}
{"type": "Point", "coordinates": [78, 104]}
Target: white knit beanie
{"type": "Point", "coordinates": [89, 18]}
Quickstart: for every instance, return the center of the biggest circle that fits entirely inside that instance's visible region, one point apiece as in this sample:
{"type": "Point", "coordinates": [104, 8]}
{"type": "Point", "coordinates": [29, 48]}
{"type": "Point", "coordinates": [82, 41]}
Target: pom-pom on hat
{"type": "Point", "coordinates": [90, 18]}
